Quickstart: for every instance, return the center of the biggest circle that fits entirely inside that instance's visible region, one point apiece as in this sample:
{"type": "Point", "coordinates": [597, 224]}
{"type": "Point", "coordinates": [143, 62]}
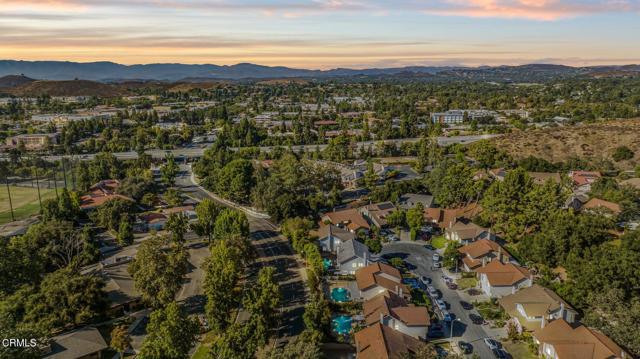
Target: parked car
{"type": "Point", "coordinates": [429, 247]}
{"type": "Point", "coordinates": [466, 305]}
{"type": "Point", "coordinates": [452, 285]}
{"type": "Point", "coordinates": [435, 331]}
{"type": "Point", "coordinates": [432, 291]}
{"type": "Point", "coordinates": [476, 319]}
{"type": "Point", "coordinates": [393, 238]}
{"type": "Point", "coordinates": [437, 265]}
{"type": "Point", "coordinates": [441, 304]}
{"type": "Point", "coordinates": [465, 347]}
{"type": "Point", "coordinates": [499, 354]}
{"type": "Point", "coordinates": [447, 317]}
{"type": "Point", "coordinates": [425, 280]}
{"type": "Point", "coordinates": [492, 343]}
{"type": "Point", "coordinates": [435, 257]}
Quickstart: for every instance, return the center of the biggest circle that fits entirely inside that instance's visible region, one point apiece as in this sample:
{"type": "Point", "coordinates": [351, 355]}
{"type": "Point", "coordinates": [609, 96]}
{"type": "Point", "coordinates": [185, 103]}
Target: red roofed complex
{"type": "Point", "coordinates": [584, 178]}
{"type": "Point", "coordinates": [350, 219]}
{"type": "Point", "coordinates": [392, 310]}
{"type": "Point", "coordinates": [100, 193]}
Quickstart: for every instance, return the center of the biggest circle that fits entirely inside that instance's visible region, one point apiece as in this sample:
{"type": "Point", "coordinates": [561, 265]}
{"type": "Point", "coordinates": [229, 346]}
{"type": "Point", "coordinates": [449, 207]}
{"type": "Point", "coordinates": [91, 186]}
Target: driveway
{"type": "Point", "coordinates": [420, 262]}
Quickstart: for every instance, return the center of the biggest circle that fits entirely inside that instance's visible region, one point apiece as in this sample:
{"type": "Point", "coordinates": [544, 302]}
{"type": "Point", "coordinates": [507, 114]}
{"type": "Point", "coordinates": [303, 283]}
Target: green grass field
{"type": "Point", "coordinates": [25, 202]}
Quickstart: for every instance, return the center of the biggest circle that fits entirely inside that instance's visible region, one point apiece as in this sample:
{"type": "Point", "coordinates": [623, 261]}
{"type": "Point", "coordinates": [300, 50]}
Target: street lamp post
{"type": "Point", "coordinates": [451, 333]}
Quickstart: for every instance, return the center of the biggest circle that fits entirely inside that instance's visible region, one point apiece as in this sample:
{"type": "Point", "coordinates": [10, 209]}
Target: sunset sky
{"type": "Point", "coordinates": [323, 33]}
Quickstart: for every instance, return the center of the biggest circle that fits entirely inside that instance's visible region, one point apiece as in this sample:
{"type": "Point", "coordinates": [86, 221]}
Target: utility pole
{"type": "Point", "coordinates": [38, 187]}
{"type": "Point", "coordinates": [6, 181]}
{"type": "Point", "coordinates": [64, 172]}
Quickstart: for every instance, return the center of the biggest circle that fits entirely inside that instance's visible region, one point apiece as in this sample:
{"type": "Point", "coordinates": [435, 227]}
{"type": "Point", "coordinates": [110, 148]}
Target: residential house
{"type": "Point", "coordinates": [443, 217]}
{"type": "Point", "coordinates": [562, 340]}
{"type": "Point", "coordinates": [100, 193]}
{"type": "Point", "coordinates": [541, 178]}
{"type": "Point", "coordinates": [350, 219]}
{"type": "Point", "coordinates": [576, 201]}
{"type": "Point", "coordinates": [377, 213]}
{"type": "Point", "coordinates": [188, 211]}
{"type": "Point", "coordinates": [382, 342]}
{"type": "Point", "coordinates": [597, 205]}
{"type": "Point", "coordinates": [465, 231]}
{"type": "Point", "coordinates": [449, 117]}
{"type": "Point", "coordinates": [351, 256]}
{"type": "Point", "coordinates": [17, 228]}
{"type": "Point", "coordinates": [410, 200]}
{"type": "Point", "coordinates": [532, 307]}
{"type": "Point", "coordinates": [480, 252]}
{"type": "Point", "coordinates": [331, 237]}
{"type": "Point", "coordinates": [379, 277]}
{"type": "Point", "coordinates": [584, 179]}
{"type": "Point", "coordinates": [498, 279]}
{"type": "Point", "coordinates": [389, 309]}
{"type": "Point", "coordinates": [153, 221]}
{"type": "Point", "coordinates": [119, 286]}
{"type": "Point", "coordinates": [498, 174]}
{"type": "Point", "coordinates": [83, 343]}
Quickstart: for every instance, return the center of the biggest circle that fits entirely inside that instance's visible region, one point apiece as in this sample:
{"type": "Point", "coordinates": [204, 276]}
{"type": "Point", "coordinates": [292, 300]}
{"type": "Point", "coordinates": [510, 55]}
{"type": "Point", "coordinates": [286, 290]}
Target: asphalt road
{"type": "Point", "coordinates": [197, 152]}
{"type": "Point", "coordinates": [420, 260]}
{"type": "Point", "coordinates": [273, 250]}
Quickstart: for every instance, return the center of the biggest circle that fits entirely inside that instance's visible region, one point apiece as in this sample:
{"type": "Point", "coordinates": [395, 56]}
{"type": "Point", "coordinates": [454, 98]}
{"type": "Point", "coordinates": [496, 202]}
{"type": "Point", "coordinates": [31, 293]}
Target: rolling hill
{"type": "Point", "coordinates": [594, 141]}
{"type": "Point", "coordinates": [67, 88]}
{"type": "Point", "coordinates": [11, 81]}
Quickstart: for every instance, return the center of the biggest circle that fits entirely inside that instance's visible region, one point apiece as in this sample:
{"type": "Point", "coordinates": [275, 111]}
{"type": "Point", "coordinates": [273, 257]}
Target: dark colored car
{"type": "Point", "coordinates": [429, 247]}
{"type": "Point", "coordinates": [452, 285]}
{"type": "Point", "coordinates": [465, 347]}
{"type": "Point", "coordinates": [499, 354]}
{"type": "Point", "coordinates": [476, 319]}
{"type": "Point", "coordinates": [466, 305]}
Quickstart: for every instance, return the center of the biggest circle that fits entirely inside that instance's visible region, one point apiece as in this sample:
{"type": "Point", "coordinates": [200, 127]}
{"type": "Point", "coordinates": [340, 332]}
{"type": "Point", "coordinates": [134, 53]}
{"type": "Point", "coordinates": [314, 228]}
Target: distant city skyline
{"type": "Point", "coordinates": [323, 34]}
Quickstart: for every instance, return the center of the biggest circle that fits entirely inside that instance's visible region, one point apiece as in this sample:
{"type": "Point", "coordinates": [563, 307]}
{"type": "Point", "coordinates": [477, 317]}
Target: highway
{"type": "Point", "coordinates": [197, 152]}
{"type": "Point", "coordinates": [272, 249]}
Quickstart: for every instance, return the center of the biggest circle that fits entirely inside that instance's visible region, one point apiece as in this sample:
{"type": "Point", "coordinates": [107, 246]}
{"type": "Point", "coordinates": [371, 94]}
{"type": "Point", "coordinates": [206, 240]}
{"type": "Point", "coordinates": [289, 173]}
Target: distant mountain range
{"type": "Point", "coordinates": [113, 72]}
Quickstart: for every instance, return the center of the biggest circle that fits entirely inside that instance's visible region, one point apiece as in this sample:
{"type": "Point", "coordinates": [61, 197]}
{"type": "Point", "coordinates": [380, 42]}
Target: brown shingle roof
{"type": "Point", "coordinates": [381, 342]}
{"type": "Point", "coordinates": [480, 248]}
{"type": "Point", "coordinates": [577, 341]}
{"type": "Point", "coordinates": [390, 304]}
{"type": "Point", "coordinates": [595, 203]}
{"type": "Point", "coordinates": [499, 274]}
{"type": "Point", "coordinates": [349, 217]}
{"type": "Point", "coordinates": [378, 274]}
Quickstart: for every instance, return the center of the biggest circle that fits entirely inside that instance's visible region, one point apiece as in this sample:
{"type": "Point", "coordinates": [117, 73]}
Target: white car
{"type": "Point", "coordinates": [436, 257]}
{"type": "Point", "coordinates": [441, 304]}
{"type": "Point", "coordinates": [425, 280]}
{"type": "Point", "coordinates": [491, 343]}
{"type": "Point", "coordinates": [432, 291]}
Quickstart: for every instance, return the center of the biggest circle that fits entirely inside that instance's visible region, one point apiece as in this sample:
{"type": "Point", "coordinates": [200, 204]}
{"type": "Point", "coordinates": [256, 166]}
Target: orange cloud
{"type": "Point", "coordinates": [544, 10]}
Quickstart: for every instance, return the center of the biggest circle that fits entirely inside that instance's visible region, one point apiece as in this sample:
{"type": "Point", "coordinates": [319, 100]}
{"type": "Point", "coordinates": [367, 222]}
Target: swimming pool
{"type": "Point", "coordinates": [341, 324]}
{"type": "Point", "coordinates": [326, 263]}
{"type": "Point", "coordinates": [340, 295]}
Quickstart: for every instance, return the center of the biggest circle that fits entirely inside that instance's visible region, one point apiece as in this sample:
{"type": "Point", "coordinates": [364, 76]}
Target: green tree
{"type": "Point", "coordinates": [170, 334]}
{"type": "Point", "coordinates": [157, 272]}
{"type": "Point", "coordinates": [298, 348]}
{"type": "Point", "coordinates": [169, 170]}
{"type": "Point", "coordinates": [451, 256]}
{"type": "Point", "coordinates": [120, 340]}
{"type": "Point", "coordinates": [622, 153]}
{"type": "Point", "coordinates": [207, 212]}
{"type": "Point", "coordinates": [231, 222]}
{"type": "Point", "coordinates": [262, 302]}
{"type": "Point", "coordinates": [415, 219]}
{"type": "Point", "coordinates": [177, 225]}
{"type": "Point", "coordinates": [222, 269]}
{"type": "Point", "coordinates": [125, 232]}
{"type": "Point", "coordinates": [317, 315]}
{"type": "Point", "coordinates": [111, 213]}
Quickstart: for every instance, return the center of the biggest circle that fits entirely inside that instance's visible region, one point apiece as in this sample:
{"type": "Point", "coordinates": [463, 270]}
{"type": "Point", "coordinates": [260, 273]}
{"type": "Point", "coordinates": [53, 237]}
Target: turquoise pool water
{"type": "Point", "coordinates": [326, 263]}
{"type": "Point", "coordinates": [340, 295]}
{"type": "Point", "coordinates": [341, 324]}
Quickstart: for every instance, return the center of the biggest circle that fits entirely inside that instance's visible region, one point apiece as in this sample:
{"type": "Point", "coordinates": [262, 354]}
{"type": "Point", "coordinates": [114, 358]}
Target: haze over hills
{"type": "Point", "coordinates": [110, 72]}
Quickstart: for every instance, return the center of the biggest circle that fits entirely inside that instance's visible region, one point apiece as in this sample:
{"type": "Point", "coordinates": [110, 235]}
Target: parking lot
{"type": "Point", "coordinates": [419, 261]}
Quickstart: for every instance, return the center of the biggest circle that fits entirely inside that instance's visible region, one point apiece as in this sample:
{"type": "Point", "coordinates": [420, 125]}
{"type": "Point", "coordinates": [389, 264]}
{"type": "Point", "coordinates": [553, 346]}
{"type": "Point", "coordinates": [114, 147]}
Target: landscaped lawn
{"type": "Point", "coordinates": [439, 242]}
{"type": "Point", "coordinates": [203, 348]}
{"type": "Point", "coordinates": [24, 200]}
{"type": "Point", "coordinates": [466, 283]}
{"type": "Point", "coordinates": [518, 350]}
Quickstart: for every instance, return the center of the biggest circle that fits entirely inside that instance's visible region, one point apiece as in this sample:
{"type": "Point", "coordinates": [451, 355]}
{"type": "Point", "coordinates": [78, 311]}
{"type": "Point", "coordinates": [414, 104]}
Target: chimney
{"type": "Point", "coordinates": [562, 310]}
{"type": "Point", "coordinates": [543, 323]}
{"type": "Point", "coordinates": [366, 258]}
{"type": "Point", "coordinates": [397, 291]}
{"type": "Point", "coordinates": [500, 254]}
{"type": "Point", "coordinates": [381, 318]}
{"type": "Point", "coordinates": [484, 261]}
{"type": "Point", "coordinates": [400, 292]}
